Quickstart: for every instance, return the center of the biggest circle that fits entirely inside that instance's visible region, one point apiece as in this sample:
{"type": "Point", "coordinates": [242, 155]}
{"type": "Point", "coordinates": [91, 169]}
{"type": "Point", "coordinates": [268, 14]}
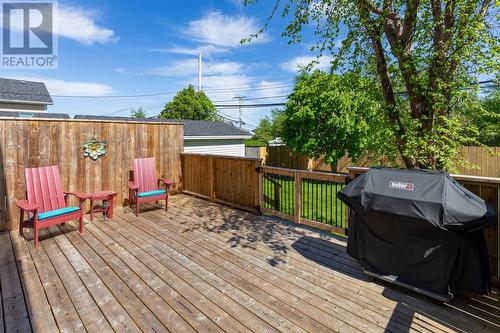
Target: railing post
{"type": "Point", "coordinates": [277, 194]}
{"type": "Point", "coordinates": [298, 197]}
{"type": "Point", "coordinates": [260, 189]}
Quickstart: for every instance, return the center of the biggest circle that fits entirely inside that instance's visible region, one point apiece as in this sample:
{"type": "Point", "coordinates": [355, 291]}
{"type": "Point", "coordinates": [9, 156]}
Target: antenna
{"type": "Point", "coordinates": [199, 71]}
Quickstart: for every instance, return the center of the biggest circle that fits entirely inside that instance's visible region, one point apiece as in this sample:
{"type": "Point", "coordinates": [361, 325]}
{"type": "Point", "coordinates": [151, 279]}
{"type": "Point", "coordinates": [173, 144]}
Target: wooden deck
{"type": "Point", "coordinates": [208, 268]}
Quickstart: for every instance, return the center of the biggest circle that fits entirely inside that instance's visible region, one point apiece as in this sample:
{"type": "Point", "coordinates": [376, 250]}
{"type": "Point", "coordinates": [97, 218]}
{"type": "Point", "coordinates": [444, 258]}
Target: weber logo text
{"type": "Point", "coordinates": [401, 185]}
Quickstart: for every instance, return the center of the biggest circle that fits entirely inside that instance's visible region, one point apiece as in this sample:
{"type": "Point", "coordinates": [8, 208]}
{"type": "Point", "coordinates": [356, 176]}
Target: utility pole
{"type": "Point", "coordinates": [199, 71]}
{"type": "Point", "coordinates": [240, 99]}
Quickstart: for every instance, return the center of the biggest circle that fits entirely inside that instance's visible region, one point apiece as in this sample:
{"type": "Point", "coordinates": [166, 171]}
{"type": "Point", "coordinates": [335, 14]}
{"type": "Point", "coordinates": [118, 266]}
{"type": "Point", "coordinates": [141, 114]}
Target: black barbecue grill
{"type": "Point", "coordinates": [419, 229]}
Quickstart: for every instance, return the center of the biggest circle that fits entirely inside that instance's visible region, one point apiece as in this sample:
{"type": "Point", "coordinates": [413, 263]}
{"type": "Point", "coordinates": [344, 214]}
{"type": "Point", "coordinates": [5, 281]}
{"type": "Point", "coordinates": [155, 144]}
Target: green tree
{"type": "Point", "coordinates": [138, 113]}
{"type": "Point", "coordinates": [277, 119]}
{"type": "Point", "coordinates": [190, 104]}
{"type": "Point", "coordinates": [270, 127]}
{"type": "Point", "coordinates": [263, 133]}
{"type": "Point", "coordinates": [428, 49]}
{"type": "Point", "coordinates": [487, 119]}
{"type": "Point", "coordinates": [333, 115]}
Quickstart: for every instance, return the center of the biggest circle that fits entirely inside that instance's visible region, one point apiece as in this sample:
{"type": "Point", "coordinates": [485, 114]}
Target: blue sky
{"type": "Point", "coordinates": [109, 48]}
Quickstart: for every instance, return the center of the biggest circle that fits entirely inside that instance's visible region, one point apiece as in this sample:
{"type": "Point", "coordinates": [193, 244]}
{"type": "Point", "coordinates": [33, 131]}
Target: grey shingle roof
{"type": "Point", "coordinates": [191, 127]}
{"type": "Point", "coordinates": [24, 91]}
{"type": "Point", "coordinates": [46, 115]}
{"type": "Point", "coordinates": [210, 128]}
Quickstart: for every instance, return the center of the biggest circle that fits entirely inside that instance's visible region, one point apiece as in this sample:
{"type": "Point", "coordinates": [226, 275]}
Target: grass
{"type": "Point", "coordinates": [319, 199]}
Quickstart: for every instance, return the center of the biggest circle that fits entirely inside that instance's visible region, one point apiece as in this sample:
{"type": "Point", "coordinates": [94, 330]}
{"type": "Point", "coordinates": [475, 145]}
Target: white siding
{"type": "Point", "coordinates": [232, 147]}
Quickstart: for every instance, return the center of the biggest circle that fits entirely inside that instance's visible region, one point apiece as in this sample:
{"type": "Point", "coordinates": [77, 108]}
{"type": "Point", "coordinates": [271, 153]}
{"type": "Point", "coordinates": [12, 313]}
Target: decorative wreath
{"type": "Point", "coordinates": [94, 149]}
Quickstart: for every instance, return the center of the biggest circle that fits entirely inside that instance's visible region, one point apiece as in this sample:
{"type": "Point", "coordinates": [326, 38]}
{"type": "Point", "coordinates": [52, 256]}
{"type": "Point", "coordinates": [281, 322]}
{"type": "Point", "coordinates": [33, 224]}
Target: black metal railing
{"type": "Point", "coordinates": [316, 193]}
{"type": "Point", "coordinates": [320, 203]}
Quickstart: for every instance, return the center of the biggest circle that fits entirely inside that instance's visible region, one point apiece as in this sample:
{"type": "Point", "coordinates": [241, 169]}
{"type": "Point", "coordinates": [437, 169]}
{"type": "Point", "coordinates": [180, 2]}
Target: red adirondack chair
{"type": "Point", "coordinates": [146, 186]}
{"type": "Point", "coordinates": [47, 203]}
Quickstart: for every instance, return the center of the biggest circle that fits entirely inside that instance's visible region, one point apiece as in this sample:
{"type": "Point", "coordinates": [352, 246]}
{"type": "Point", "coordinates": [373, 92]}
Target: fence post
{"type": "Point", "coordinates": [263, 154]}
{"type": "Point", "coordinates": [211, 177]}
{"type": "Point", "coordinates": [298, 197]}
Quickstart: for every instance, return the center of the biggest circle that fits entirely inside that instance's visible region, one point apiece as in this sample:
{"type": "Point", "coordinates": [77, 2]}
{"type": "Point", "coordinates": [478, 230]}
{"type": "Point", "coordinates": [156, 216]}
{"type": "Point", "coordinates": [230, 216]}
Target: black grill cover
{"type": "Point", "coordinates": [421, 226]}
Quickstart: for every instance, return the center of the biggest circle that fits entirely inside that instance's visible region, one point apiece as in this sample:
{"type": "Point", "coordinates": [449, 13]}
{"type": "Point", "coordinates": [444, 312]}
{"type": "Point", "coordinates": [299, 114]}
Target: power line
{"type": "Point", "coordinates": [116, 96]}
{"type": "Point", "coordinates": [261, 105]}
{"type": "Point", "coordinates": [232, 119]}
{"type": "Point", "coordinates": [120, 111]}
{"type": "Point", "coordinates": [243, 89]}
{"type": "Point", "coordinates": [215, 90]}
{"type": "Point", "coordinates": [253, 98]}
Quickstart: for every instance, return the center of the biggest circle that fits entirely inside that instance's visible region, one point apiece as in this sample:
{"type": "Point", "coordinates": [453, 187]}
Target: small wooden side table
{"type": "Point", "coordinates": [107, 203]}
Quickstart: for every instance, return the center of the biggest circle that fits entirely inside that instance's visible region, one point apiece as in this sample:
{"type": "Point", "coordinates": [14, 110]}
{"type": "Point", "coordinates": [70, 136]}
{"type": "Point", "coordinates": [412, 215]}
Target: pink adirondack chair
{"type": "Point", "coordinates": [146, 186]}
{"type": "Point", "coordinates": [47, 203]}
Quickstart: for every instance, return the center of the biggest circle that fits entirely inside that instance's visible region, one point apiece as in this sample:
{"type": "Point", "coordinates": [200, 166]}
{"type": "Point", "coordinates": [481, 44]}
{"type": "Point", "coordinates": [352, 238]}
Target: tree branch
{"type": "Point", "coordinates": [409, 22]}
{"type": "Point", "coordinates": [371, 7]}
{"type": "Point", "coordinates": [264, 27]}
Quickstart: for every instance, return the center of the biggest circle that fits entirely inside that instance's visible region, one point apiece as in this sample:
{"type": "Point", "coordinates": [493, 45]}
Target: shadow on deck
{"type": "Point", "coordinates": [209, 268]}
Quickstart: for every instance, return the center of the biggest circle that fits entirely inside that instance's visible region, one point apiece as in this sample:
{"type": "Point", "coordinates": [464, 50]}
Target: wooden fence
{"type": "Point", "coordinates": [283, 157]}
{"type": "Point", "coordinates": [487, 188]}
{"type": "Point", "coordinates": [487, 161]}
{"type": "Point", "coordinates": [232, 181]}
{"type": "Point", "coordinates": [41, 142]}
{"type": "Point", "coordinates": [304, 197]}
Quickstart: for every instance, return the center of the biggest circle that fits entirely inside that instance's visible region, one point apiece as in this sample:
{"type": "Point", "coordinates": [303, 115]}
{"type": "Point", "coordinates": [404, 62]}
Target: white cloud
{"type": "Point", "coordinates": [80, 24]}
{"type": "Point", "coordinates": [189, 67]}
{"type": "Point", "coordinates": [217, 86]}
{"type": "Point", "coordinates": [222, 30]}
{"type": "Point", "coordinates": [272, 88]}
{"type": "Point", "coordinates": [75, 23]}
{"type": "Point", "coordinates": [64, 87]}
{"type": "Point", "coordinates": [296, 64]}
{"type": "Point", "coordinates": [204, 49]}
{"type": "Point", "coordinates": [215, 33]}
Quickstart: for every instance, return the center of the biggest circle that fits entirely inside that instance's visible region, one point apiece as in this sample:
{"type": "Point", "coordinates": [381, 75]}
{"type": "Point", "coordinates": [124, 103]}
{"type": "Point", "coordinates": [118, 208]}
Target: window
{"type": "Point", "coordinates": [26, 115]}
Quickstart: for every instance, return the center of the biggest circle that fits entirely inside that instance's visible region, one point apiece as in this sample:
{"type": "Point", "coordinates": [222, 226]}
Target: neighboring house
{"type": "Point", "coordinates": [24, 114]}
{"type": "Point", "coordinates": [203, 137]}
{"type": "Point", "coordinates": [24, 98]}
{"type": "Point", "coordinates": [213, 137]}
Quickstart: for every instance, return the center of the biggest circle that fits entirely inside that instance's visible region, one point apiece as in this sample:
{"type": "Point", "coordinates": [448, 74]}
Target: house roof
{"type": "Point", "coordinates": [19, 91]}
{"type": "Point", "coordinates": [45, 115]}
{"type": "Point", "coordinates": [192, 128]}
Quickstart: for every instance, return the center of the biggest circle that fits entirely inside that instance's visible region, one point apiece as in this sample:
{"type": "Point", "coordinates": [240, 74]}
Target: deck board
{"type": "Point", "coordinates": [208, 268]}
{"type": "Point", "coordinates": [316, 297]}
{"type": "Point", "coordinates": [65, 313]}
{"type": "Point", "coordinates": [317, 309]}
{"type": "Point", "coordinates": [15, 313]}
{"type": "Point", "coordinates": [89, 312]}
